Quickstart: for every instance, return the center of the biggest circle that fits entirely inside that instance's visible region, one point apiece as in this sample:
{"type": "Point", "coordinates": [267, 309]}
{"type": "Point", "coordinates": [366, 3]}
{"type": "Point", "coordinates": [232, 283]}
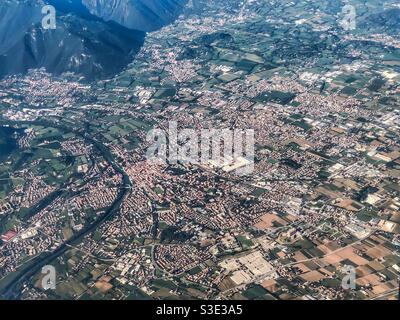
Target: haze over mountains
{"type": "Point", "coordinates": [144, 15]}
{"type": "Point", "coordinates": [93, 38]}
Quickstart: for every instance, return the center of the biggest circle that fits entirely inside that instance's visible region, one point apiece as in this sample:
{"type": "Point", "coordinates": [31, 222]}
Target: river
{"type": "Point", "coordinates": [12, 290]}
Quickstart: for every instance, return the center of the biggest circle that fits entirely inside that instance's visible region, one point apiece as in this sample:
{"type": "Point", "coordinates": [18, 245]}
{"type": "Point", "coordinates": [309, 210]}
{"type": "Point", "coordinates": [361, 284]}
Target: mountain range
{"type": "Point", "coordinates": [93, 38]}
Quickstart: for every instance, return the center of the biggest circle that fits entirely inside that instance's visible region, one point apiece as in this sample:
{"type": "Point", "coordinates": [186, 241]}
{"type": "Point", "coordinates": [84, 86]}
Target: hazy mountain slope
{"type": "Point", "coordinates": [15, 18]}
{"type": "Point", "coordinates": [145, 15]}
{"type": "Point", "coordinates": [89, 48]}
{"type": "Point", "coordinates": [89, 43]}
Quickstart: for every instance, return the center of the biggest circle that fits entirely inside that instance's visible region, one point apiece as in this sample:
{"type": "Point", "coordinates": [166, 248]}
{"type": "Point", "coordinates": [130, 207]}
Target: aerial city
{"type": "Point", "coordinates": [218, 150]}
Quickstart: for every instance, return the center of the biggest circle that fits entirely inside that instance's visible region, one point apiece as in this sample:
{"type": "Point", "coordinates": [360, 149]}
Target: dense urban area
{"type": "Point", "coordinates": [77, 191]}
